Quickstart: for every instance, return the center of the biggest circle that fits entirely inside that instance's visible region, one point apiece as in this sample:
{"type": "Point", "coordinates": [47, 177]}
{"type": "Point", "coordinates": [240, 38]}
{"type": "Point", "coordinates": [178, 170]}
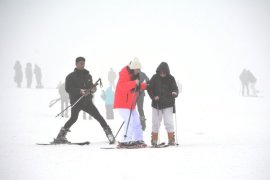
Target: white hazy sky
{"type": "Point", "coordinates": [206, 43]}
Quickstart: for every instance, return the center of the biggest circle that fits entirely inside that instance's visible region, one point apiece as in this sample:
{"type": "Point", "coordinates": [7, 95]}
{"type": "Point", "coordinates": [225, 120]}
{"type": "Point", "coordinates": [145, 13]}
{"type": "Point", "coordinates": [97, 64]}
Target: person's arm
{"type": "Point", "coordinates": [175, 90]}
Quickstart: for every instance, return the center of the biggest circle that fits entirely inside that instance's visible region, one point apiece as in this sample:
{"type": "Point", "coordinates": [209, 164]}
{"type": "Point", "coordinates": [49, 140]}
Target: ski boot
{"type": "Point", "coordinates": [171, 138]}
{"type": "Point", "coordinates": [154, 138]}
{"type": "Point", "coordinates": [61, 137]}
{"type": "Point", "coordinates": [109, 134]}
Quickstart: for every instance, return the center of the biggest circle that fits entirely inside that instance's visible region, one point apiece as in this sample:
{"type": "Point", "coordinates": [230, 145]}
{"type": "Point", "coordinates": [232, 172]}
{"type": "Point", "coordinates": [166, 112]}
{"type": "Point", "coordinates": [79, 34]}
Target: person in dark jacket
{"type": "Point", "coordinates": [38, 74]}
{"type": "Point", "coordinates": [77, 84]}
{"type": "Point", "coordinates": [162, 90]}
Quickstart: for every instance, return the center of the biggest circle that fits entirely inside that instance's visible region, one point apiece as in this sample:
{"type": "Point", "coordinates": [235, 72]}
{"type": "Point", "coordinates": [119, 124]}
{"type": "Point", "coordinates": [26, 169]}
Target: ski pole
{"type": "Point", "coordinates": [176, 130]}
{"type": "Point", "coordinates": [52, 102]}
{"type": "Point", "coordinates": [124, 121]}
{"type": "Point", "coordinates": [88, 91]}
{"type": "Point", "coordinates": [129, 115]}
{"type": "Point", "coordinates": [132, 103]}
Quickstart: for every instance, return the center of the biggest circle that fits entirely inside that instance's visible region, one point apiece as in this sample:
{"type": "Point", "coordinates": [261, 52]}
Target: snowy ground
{"type": "Point", "coordinates": [223, 138]}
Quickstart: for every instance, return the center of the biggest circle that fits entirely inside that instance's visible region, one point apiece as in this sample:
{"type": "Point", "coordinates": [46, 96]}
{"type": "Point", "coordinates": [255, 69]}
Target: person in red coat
{"type": "Point", "coordinates": [126, 93]}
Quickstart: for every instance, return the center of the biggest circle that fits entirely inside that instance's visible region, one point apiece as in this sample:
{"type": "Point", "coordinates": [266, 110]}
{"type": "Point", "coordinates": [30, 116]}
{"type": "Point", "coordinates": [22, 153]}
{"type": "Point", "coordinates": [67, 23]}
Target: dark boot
{"type": "Point", "coordinates": [109, 134]}
{"type": "Point", "coordinates": [154, 138]}
{"type": "Point", "coordinates": [61, 137]}
{"type": "Point", "coordinates": [171, 138]}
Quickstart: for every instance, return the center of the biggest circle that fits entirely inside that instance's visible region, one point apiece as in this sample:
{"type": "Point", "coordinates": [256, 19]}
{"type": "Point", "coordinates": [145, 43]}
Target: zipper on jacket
{"type": "Point", "coordinates": [127, 98]}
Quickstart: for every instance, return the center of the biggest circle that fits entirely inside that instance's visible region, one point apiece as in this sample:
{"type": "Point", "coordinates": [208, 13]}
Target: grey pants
{"type": "Point", "coordinates": [167, 115]}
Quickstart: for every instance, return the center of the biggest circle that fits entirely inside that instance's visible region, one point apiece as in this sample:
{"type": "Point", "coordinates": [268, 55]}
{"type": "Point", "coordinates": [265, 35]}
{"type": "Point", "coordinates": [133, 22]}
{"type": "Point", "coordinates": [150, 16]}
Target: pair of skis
{"type": "Point", "coordinates": [71, 143]}
{"type": "Point", "coordinates": [161, 145]}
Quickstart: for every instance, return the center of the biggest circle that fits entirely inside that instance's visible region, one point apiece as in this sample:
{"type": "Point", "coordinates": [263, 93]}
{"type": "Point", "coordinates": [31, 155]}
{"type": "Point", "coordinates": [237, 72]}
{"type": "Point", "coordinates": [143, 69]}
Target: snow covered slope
{"type": "Point", "coordinates": [223, 138]}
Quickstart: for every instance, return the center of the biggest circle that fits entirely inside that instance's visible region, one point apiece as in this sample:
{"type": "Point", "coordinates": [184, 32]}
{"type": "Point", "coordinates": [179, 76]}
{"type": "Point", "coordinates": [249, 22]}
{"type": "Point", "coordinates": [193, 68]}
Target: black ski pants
{"type": "Point", "coordinates": [90, 109]}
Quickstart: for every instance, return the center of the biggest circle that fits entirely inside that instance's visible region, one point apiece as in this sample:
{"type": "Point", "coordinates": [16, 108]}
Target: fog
{"type": "Point", "coordinates": [206, 43]}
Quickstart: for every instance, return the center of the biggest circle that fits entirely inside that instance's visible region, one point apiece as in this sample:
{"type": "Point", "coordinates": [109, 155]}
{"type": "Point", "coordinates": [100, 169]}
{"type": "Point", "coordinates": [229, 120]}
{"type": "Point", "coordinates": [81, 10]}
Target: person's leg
{"type": "Point", "coordinates": [74, 116]}
{"type": "Point", "coordinates": [62, 106]}
{"type": "Point", "coordinates": [156, 120]}
{"type": "Point", "coordinates": [109, 111]}
{"type": "Point", "coordinates": [140, 102]}
{"type": "Point", "coordinates": [136, 128]}
{"type": "Point", "coordinates": [126, 131]}
{"type": "Point", "coordinates": [65, 106]}
{"type": "Point", "coordinates": [169, 124]}
{"type": "Point", "coordinates": [61, 137]}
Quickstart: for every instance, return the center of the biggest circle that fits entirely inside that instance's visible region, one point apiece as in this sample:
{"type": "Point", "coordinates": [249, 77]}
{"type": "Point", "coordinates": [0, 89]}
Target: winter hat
{"type": "Point", "coordinates": [80, 59]}
{"type": "Point", "coordinates": [135, 64]}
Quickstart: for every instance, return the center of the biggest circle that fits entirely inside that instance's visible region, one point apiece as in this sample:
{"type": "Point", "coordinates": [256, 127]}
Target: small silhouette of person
{"type": "Point", "coordinates": [248, 80]}
{"type": "Point", "coordinates": [244, 81]}
{"type": "Point", "coordinates": [18, 74]}
{"type": "Point", "coordinates": [140, 100]}
{"type": "Point", "coordinates": [29, 75]}
{"type": "Point", "coordinates": [64, 99]}
{"type": "Point", "coordinates": [112, 77]}
{"type": "Point", "coordinates": [108, 97]}
{"type": "Point", "coordinates": [38, 74]}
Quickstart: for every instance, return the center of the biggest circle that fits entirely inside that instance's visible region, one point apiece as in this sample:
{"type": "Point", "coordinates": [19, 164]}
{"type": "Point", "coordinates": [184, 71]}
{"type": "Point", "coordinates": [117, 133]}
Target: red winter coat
{"type": "Point", "coordinates": [124, 94]}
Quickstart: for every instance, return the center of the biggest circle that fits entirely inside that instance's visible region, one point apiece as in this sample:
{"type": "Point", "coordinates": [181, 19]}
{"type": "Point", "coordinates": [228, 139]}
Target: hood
{"type": "Point", "coordinates": [163, 67]}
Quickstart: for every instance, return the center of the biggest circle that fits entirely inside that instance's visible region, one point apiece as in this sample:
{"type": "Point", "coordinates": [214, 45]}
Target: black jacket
{"type": "Point", "coordinates": [162, 87]}
{"type": "Point", "coordinates": [79, 79]}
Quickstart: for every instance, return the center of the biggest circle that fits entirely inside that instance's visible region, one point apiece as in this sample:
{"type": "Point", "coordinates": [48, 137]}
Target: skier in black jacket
{"type": "Point", "coordinates": [77, 83]}
{"type": "Point", "coordinates": [162, 90]}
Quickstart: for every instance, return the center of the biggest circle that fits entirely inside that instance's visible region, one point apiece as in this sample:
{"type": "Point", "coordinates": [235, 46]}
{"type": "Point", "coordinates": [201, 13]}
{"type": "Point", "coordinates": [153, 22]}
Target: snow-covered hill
{"type": "Point", "coordinates": [223, 138]}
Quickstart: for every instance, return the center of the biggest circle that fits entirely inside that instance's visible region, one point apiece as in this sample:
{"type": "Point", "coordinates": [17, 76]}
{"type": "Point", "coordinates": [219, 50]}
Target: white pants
{"type": "Point", "coordinates": [167, 115]}
{"type": "Point", "coordinates": [133, 130]}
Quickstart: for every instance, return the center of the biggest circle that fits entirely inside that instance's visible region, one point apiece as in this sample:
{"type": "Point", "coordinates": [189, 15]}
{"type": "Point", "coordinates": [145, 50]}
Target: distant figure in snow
{"type": "Point", "coordinates": [248, 82]}
{"type": "Point", "coordinates": [38, 74]}
{"type": "Point", "coordinates": [64, 98]}
{"type": "Point", "coordinates": [18, 74]}
{"type": "Point", "coordinates": [29, 74]}
{"type": "Point", "coordinates": [108, 97]}
{"type": "Point", "coordinates": [112, 77]}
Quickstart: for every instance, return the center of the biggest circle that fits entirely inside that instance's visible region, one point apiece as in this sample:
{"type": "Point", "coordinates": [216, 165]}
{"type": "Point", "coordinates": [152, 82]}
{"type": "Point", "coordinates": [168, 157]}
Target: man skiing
{"type": "Point", "coordinates": [162, 90]}
{"type": "Point", "coordinates": [126, 94]}
{"type": "Point", "coordinates": [77, 84]}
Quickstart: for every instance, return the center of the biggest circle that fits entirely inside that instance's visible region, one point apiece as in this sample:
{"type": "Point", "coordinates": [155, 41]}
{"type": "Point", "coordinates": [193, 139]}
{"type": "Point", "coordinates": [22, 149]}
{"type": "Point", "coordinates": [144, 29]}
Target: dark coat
{"type": "Point", "coordinates": [162, 87]}
{"type": "Point", "coordinates": [79, 79]}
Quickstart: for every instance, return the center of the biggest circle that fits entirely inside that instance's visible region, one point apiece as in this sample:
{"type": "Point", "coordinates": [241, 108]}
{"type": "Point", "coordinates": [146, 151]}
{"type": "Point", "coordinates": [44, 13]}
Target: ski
{"type": "Point", "coordinates": [71, 143]}
{"type": "Point", "coordinates": [161, 145]}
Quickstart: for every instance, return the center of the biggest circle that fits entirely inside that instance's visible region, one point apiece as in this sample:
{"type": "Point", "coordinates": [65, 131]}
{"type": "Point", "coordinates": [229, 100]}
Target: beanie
{"type": "Point", "coordinates": [135, 64]}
